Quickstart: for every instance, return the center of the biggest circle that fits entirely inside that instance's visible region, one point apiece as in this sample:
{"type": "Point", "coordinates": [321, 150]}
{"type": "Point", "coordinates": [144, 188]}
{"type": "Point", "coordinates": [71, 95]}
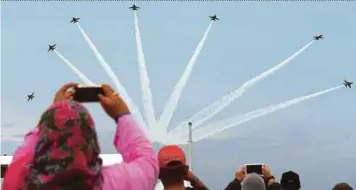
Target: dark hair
{"type": "Point", "coordinates": [173, 174]}
{"type": "Point", "coordinates": [342, 186]}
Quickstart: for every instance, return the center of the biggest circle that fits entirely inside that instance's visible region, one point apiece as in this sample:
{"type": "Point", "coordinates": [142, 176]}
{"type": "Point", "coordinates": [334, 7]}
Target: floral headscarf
{"type": "Point", "coordinates": [66, 157]}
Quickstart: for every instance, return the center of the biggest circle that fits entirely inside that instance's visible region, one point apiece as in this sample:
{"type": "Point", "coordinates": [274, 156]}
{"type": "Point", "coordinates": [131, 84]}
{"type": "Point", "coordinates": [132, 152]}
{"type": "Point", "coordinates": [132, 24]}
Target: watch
{"type": "Point", "coordinates": [116, 119]}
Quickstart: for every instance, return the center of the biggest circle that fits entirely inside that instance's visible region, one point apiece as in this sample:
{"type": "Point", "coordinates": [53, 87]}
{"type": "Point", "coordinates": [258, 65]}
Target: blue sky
{"type": "Point", "coordinates": [250, 38]}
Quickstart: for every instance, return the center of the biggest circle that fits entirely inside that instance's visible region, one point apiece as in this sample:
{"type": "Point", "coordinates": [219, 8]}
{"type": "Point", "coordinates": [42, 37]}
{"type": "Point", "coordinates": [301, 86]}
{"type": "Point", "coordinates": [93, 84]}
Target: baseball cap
{"type": "Point", "coordinates": [169, 154]}
{"type": "Point", "coordinates": [290, 181]}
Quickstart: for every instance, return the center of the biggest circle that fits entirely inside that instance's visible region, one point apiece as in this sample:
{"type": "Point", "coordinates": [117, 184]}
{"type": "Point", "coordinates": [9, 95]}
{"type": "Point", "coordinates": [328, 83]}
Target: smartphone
{"type": "Point", "coordinates": [254, 168]}
{"type": "Point", "coordinates": [83, 93]}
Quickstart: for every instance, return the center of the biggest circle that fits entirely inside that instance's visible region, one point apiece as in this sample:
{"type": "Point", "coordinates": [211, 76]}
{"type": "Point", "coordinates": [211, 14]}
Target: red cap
{"type": "Point", "coordinates": [170, 153]}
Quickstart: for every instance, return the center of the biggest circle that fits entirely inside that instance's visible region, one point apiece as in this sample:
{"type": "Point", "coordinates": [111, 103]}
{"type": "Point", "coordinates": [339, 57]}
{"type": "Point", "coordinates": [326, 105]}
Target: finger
{"type": "Point", "coordinates": [114, 94]}
{"type": "Point", "coordinates": [107, 90]}
{"type": "Point", "coordinates": [102, 98]}
{"type": "Point", "coordinates": [69, 95]}
{"type": "Point", "coordinates": [66, 86]}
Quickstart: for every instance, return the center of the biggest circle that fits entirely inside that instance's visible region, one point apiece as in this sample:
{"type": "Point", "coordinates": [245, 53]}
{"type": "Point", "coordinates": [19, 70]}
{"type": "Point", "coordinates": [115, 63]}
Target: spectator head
{"type": "Point", "coordinates": [342, 186]}
{"type": "Point", "coordinates": [253, 181]}
{"type": "Point", "coordinates": [172, 163]}
{"type": "Point", "coordinates": [66, 155]}
{"type": "Point", "coordinates": [290, 181]}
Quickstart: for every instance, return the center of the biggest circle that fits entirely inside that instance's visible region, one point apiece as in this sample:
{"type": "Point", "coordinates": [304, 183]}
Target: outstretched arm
{"type": "Point", "coordinates": [140, 167]}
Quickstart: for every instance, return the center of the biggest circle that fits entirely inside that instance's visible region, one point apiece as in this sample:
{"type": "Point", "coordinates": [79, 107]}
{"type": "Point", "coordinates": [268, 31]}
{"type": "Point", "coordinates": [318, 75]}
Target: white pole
{"type": "Point", "coordinates": [190, 144]}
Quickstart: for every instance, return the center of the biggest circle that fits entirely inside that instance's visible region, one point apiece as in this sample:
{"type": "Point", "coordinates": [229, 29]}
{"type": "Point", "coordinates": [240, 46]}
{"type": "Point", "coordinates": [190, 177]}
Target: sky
{"type": "Point", "coordinates": [314, 138]}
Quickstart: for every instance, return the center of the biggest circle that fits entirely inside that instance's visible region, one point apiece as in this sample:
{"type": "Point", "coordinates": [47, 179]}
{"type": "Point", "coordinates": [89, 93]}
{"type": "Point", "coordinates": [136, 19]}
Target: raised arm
{"type": "Point", "coordinates": [140, 167]}
{"type": "Point", "coordinates": [28, 145]}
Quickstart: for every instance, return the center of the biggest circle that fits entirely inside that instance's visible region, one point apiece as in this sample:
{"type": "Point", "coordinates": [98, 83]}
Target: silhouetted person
{"type": "Point", "coordinates": [173, 170]}
{"type": "Point", "coordinates": [290, 181]}
{"type": "Point", "coordinates": [342, 186]}
{"type": "Point", "coordinates": [62, 152]}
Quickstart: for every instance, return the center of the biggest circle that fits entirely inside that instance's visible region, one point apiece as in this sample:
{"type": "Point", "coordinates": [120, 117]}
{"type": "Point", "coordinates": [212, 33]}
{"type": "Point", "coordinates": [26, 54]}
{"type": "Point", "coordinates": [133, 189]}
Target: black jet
{"type": "Point", "coordinates": [214, 18]}
{"type": "Point", "coordinates": [75, 19]}
{"type": "Point", "coordinates": [318, 37]}
{"type": "Point", "coordinates": [51, 47]}
{"type": "Point", "coordinates": [134, 7]}
{"type": "Point", "coordinates": [30, 96]}
{"type": "Point", "coordinates": [190, 124]}
{"type": "Point", "coordinates": [347, 84]}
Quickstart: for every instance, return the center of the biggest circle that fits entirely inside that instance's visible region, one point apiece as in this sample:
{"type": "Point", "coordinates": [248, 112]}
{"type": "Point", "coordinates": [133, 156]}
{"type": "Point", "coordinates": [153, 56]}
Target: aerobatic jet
{"type": "Point", "coordinates": [75, 19]}
{"type": "Point", "coordinates": [347, 84]}
{"type": "Point", "coordinates": [318, 37]}
{"type": "Point", "coordinates": [214, 18]}
{"type": "Point", "coordinates": [51, 47]}
{"type": "Point", "coordinates": [134, 7]}
{"type": "Point", "coordinates": [190, 124]}
{"type": "Point", "coordinates": [30, 96]}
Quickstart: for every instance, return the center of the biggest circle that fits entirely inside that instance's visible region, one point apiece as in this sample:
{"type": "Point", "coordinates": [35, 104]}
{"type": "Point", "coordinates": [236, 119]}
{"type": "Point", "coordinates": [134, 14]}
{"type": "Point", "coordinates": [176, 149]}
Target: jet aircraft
{"type": "Point", "coordinates": [190, 124]}
{"type": "Point", "coordinates": [51, 47]}
{"type": "Point", "coordinates": [214, 18]}
{"type": "Point", "coordinates": [134, 7]}
{"type": "Point", "coordinates": [30, 96]}
{"type": "Point", "coordinates": [75, 19]}
{"type": "Point", "coordinates": [347, 84]}
{"type": "Point", "coordinates": [318, 37]}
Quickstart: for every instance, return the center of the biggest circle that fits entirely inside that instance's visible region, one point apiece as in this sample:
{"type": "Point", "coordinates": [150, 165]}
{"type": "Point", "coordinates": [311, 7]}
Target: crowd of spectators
{"type": "Point", "coordinates": [62, 153]}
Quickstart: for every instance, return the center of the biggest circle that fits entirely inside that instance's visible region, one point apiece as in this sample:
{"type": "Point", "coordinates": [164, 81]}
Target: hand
{"type": "Point", "coordinates": [64, 94]}
{"type": "Point", "coordinates": [266, 171]}
{"type": "Point", "coordinates": [240, 174]}
{"type": "Point", "coordinates": [112, 103]}
{"type": "Point", "coordinates": [189, 175]}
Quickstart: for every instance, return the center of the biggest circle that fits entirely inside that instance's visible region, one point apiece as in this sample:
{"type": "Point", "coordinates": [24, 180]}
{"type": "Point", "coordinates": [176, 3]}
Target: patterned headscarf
{"type": "Point", "coordinates": [66, 157]}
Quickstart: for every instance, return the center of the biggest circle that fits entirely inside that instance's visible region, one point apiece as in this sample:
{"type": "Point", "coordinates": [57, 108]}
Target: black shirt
{"type": "Point", "coordinates": [196, 188]}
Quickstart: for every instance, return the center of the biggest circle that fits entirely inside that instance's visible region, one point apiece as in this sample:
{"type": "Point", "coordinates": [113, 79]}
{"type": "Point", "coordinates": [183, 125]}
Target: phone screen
{"type": "Point", "coordinates": [254, 168]}
{"type": "Point", "coordinates": [87, 94]}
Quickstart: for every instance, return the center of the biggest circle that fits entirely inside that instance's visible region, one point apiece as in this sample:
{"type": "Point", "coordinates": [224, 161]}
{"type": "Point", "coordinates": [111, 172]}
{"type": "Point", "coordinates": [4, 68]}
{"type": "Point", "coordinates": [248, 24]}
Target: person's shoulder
{"type": "Point", "coordinates": [275, 186]}
{"type": "Point", "coordinates": [16, 172]}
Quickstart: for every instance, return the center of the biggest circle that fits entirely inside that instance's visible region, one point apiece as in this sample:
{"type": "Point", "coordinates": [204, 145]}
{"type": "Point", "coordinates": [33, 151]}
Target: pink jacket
{"type": "Point", "coordinates": [139, 170]}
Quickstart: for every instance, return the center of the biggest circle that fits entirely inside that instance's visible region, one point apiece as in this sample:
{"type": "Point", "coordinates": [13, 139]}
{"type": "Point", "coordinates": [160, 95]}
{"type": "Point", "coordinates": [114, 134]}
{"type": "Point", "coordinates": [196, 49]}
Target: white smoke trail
{"type": "Point", "coordinates": [13, 138]}
{"type": "Point", "coordinates": [74, 69]}
{"type": "Point", "coordinates": [171, 105]}
{"type": "Point", "coordinates": [228, 123]}
{"type": "Point", "coordinates": [133, 108]}
{"type": "Point", "coordinates": [145, 82]}
{"type": "Point", "coordinates": [220, 105]}
{"type": "Point", "coordinates": [183, 134]}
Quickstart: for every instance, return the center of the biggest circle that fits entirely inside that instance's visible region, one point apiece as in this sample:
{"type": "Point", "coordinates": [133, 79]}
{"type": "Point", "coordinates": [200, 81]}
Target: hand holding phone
{"type": "Point", "coordinates": [112, 103]}
{"type": "Point", "coordinates": [63, 93]}
{"type": "Point", "coordinates": [86, 94]}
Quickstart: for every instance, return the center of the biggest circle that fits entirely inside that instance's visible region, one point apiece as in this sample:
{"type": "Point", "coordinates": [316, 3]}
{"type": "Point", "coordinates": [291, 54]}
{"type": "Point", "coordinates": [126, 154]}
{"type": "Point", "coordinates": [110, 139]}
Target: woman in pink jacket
{"type": "Point", "coordinates": [62, 152]}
